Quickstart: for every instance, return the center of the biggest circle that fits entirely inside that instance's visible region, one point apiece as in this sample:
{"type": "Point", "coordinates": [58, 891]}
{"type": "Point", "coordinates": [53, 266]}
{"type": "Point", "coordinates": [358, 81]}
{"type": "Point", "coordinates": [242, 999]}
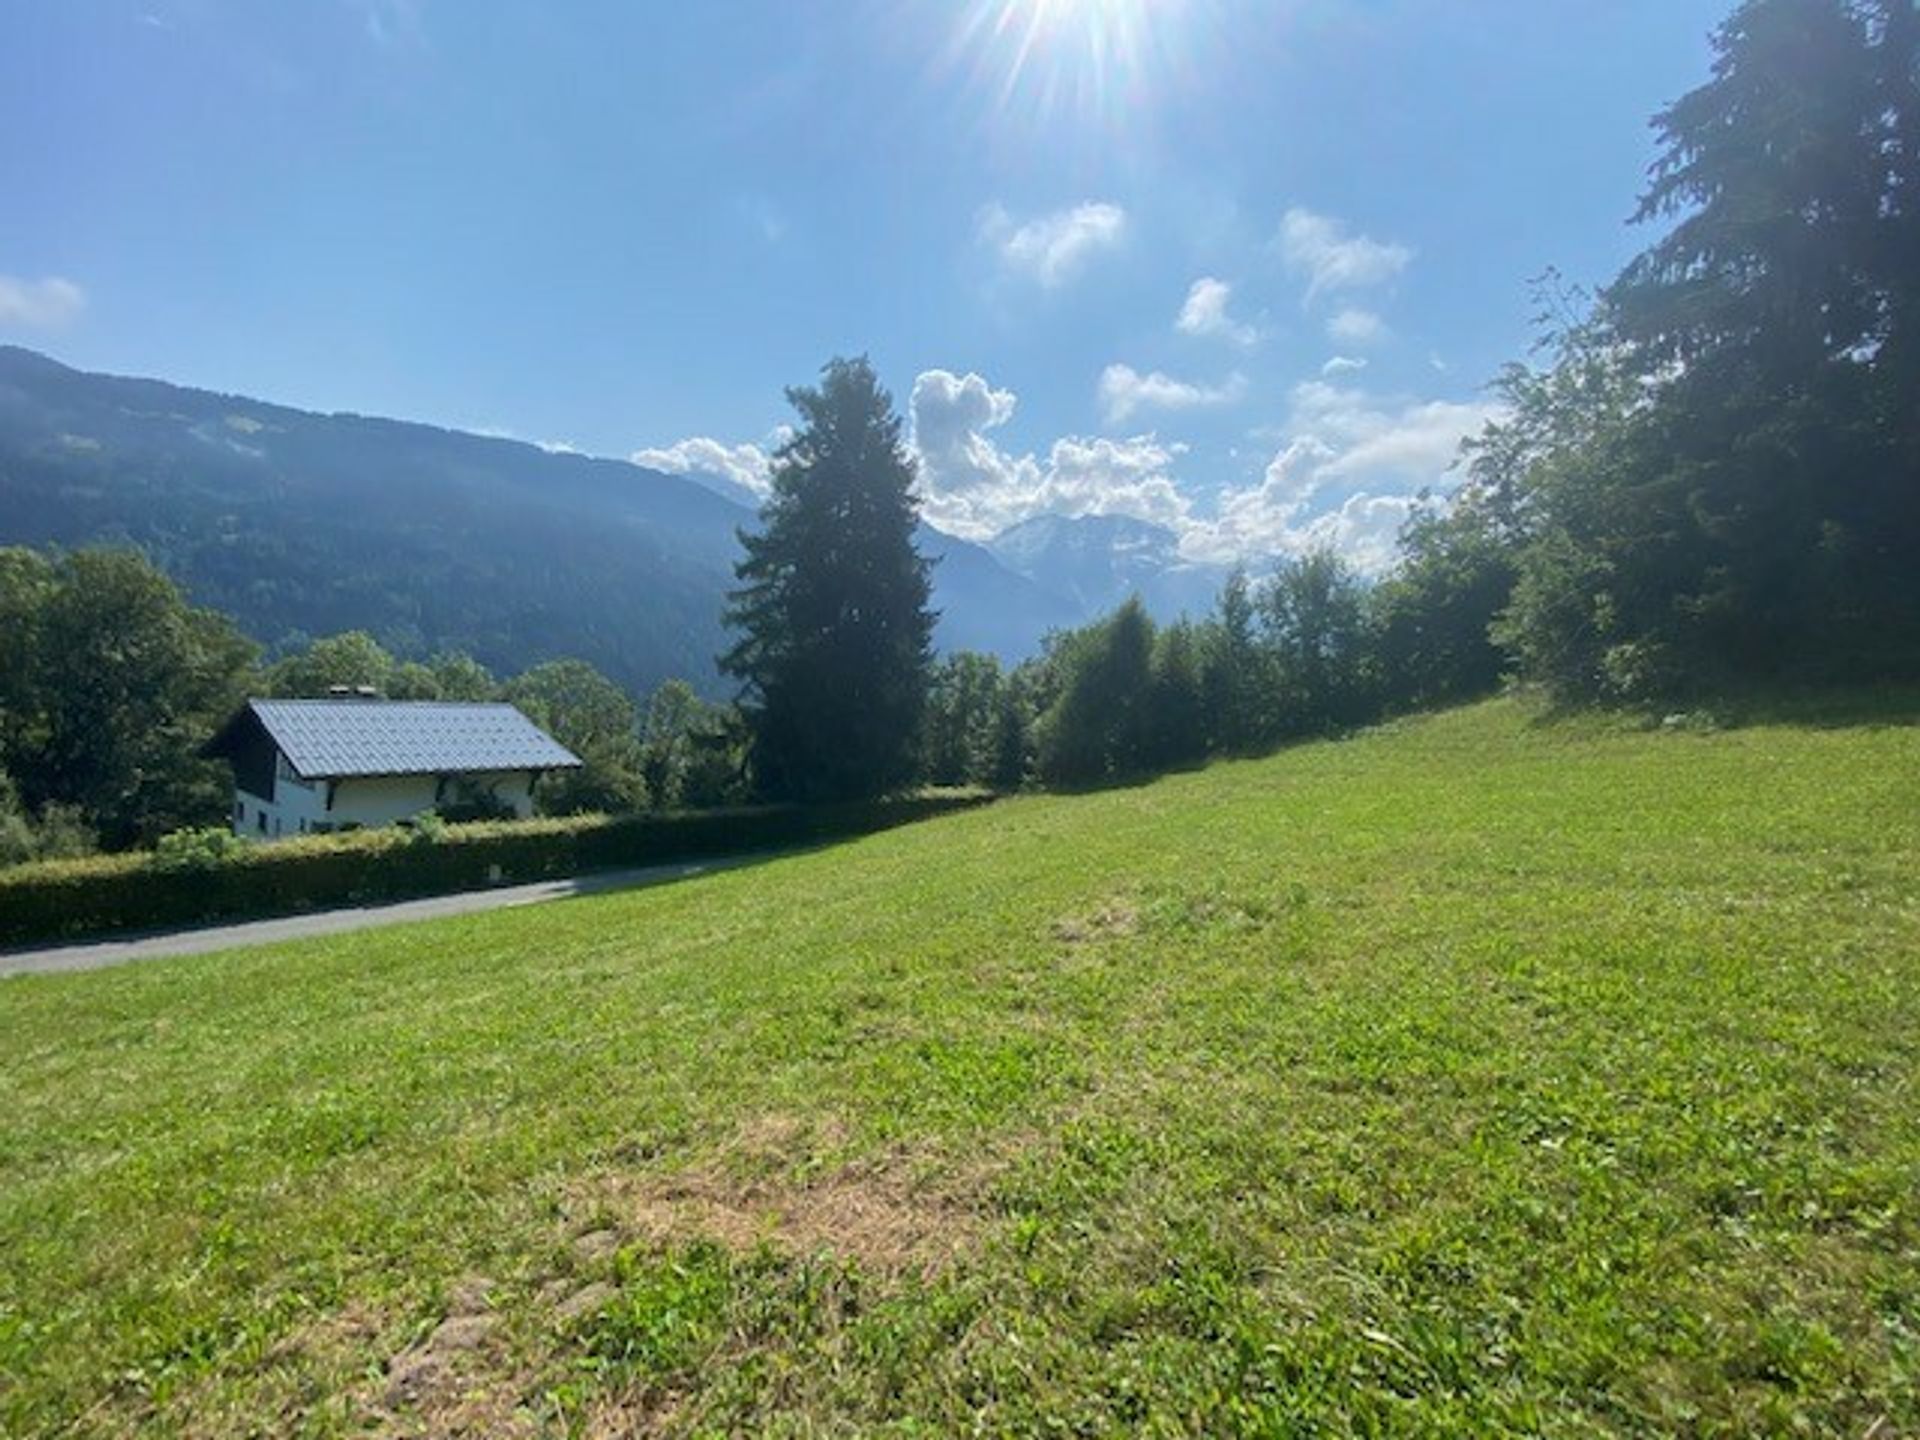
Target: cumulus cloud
{"type": "Point", "coordinates": [1343, 365]}
{"type": "Point", "coordinates": [1123, 390]}
{"type": "Point", "coordinates": [1354, 326]}
{"type": "Point", "coordinates": [1347, 476]}
{"type": "Point", "coordinates": [972, 488]}
{"type": "Point", "coordinates": [746, 466]}
{"type": "Point", "coordinates": [1053, 248]}
{"type": "Point", "coordinates": [1332, 257]}
{"type": "Point", "coordinates": [48, 304]}
{"type": "Point", "coordinates": [1346, 470]}
{"type": "Point", "coordinates": [1346, 473]}
{"type": "Point", "coordinates": [1205, 313]}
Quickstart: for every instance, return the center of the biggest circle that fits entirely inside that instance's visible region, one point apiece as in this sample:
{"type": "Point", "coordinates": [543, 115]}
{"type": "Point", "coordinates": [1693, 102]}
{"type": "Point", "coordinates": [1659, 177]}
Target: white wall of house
{"type": "Point", "coordinates": [299, 807]}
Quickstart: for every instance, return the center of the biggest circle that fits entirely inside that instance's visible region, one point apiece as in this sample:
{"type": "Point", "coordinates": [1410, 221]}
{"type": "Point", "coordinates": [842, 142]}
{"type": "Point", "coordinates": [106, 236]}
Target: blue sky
{"type": "Point", "coordinates": [1243, 268]}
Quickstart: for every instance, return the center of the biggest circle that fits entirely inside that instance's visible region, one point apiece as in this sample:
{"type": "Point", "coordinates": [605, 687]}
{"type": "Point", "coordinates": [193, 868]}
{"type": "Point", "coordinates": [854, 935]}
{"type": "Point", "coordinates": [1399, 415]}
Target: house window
{"type": "Point", "coordinates": [262, 818]}
{"type": "Point", "coordinates": [239, 812]}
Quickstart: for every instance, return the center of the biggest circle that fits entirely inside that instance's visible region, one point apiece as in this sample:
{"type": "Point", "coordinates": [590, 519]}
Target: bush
{"type": "Point", "coordinates": [207, 848]}
{"type": "Point", "coordinates": [54, 899]}
{"type": "Point", "coordinates": [470, 802]}
{"type": "Point", "coordinates": [61, 833]}
{"type": "Point", "coordinates": [429, 827]}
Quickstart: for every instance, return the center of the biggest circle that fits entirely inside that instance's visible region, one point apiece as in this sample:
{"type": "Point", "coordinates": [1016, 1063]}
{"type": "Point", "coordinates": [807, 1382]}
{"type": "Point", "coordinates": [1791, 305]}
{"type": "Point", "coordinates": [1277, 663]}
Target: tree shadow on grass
{"type": "Point", "coordinates": [1880, 706]}
{"type": "Point", "coordinates": [1885, 705]}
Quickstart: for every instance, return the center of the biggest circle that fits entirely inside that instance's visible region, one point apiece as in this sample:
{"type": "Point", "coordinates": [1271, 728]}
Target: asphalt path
{"type": "Point", "coordinates": [95, 954]}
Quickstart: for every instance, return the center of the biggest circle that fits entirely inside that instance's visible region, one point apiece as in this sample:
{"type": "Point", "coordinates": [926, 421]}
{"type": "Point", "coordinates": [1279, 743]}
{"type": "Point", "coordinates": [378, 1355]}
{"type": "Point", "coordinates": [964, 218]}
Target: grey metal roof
{"type": "Point", "coordinates": [326, 739]}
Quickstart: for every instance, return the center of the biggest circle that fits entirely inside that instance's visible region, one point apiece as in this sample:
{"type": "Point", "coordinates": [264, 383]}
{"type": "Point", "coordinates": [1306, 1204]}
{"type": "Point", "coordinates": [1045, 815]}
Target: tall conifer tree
{"type": "Point", "coordinates": [835, 634]}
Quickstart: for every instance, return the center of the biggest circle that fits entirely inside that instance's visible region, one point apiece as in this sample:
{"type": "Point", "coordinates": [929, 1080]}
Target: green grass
{"type": "Point", "coordinates": [1475, 1075]}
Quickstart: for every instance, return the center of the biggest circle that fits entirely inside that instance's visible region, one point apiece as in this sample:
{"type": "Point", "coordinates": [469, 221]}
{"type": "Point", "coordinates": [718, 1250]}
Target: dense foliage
{"type": "Point", "coordinates": [835, 637]}
{"type": "Point", "coordinates": [1715, 477]}
{"type": "Point", "coordinates": [109, 684]}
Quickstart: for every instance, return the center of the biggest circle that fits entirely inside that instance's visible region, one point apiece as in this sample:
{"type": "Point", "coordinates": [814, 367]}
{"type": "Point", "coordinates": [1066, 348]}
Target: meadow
{"type": "Point", "coordinates": [1482, 1073]}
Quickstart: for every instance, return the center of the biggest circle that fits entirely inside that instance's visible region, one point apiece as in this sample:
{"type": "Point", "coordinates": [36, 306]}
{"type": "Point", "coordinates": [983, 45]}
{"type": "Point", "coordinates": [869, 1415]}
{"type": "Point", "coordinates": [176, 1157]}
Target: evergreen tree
{"type": "Point", "coordinates": [1774, 174]}
{"type": "Point", "coordinates": [1714, 482]}
{"type": "Point", "coordinates": [835, 634]}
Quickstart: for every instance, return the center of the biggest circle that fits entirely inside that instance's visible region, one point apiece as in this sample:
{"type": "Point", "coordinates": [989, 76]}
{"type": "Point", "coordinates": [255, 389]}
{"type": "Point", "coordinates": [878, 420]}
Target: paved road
{"type": "Point", "coordinates": [93, 954]}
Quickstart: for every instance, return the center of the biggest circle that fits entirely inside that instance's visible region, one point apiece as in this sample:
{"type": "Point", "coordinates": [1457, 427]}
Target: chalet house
{"type": "Point", "coordinates": [303, 767]}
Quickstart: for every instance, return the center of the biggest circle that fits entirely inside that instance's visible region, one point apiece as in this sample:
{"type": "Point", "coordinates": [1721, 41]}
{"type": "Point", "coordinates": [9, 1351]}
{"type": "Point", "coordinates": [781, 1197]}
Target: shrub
{"type": "Point", "coordinates": [52, 899]}
{"type": "Point", "coordinates": [64, 833]}
{"type": "Point", "coordinates": [470, 802]}
{"type": "Point", "coordinates": [206, 848]}
{"type": "Point", "coordinates": [61, 833]}
{"type": "Point", "coordinates": [429, 827]}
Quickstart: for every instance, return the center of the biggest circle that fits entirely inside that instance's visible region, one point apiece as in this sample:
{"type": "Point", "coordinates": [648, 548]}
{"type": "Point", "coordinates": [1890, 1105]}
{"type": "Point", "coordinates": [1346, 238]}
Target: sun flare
{"type": "Point", "coordinates": [1091, 60]}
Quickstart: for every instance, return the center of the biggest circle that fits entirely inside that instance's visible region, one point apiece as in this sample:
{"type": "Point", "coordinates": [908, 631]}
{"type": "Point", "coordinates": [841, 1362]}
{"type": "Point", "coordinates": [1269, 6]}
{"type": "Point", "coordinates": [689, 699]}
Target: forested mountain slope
{"type": "Point", "coordinates": [301, 524]}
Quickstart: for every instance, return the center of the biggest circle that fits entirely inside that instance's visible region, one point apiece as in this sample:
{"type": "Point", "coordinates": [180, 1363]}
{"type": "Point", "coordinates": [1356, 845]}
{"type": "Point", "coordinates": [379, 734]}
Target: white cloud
{"type": "Point", "coordinates": [746, 465]}
{"type": "Point", "coordinates": [970, 487]}
{"type": "Point", "coordinates": [1346, 471]}
{"type": "Point", "coordinates": [1333, 258]}
{"type": "Point", "coordinates": [49, 304]}
{"type": "Point", "coordinates": [1205, 313]}
{"type": "Point", "coordinates": [1345, 475]}
{"type": "Point", "coordinates": [1349, 472]}
{"type": "Point", "coordinates": [1053, 248]}
{"type": "Point", "coordinates": [946, 410]}
{"type": "Point", "coordinates": [1343, 365]}
{"type": "Point", "coordinates": [1354, 326]}
{"type": "Point", "coordinates": [1124, 390]}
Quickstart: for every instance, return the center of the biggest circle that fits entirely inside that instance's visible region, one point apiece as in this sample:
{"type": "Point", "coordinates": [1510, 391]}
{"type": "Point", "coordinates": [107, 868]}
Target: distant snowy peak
{"type": "Point", "coordinates": [1097, 561]}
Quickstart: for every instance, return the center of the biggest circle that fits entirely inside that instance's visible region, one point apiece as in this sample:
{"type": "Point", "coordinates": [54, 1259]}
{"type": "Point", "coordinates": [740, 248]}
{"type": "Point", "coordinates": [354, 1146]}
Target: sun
{"type": "Point", "coordinates": [1086, 60]}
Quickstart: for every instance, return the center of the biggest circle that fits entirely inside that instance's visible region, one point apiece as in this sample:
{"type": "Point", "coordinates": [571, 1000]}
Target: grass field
{"type": "Point", "coordinates": [1480, 1074]}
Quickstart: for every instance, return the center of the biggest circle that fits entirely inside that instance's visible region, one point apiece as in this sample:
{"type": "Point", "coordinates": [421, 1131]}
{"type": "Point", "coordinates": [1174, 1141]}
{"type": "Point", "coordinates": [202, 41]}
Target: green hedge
{"type": "Point", "coordinates": [61, 899]}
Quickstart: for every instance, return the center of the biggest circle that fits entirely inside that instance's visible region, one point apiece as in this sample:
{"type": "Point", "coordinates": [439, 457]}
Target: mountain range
{"type": "Point", "coordinates": [302, 524]}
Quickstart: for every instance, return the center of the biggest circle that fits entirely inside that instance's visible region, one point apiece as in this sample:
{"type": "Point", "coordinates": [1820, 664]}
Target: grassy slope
{"type": "Point", "coordinates": [1473, 1074]}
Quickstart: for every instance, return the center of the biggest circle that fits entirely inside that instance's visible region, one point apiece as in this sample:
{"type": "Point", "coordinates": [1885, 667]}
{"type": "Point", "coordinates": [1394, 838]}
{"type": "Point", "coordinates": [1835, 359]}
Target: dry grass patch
{"type": "Point", "coordinates": [1112, 919]}
{"type": "Point", "coordinates": [779, 1183]}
